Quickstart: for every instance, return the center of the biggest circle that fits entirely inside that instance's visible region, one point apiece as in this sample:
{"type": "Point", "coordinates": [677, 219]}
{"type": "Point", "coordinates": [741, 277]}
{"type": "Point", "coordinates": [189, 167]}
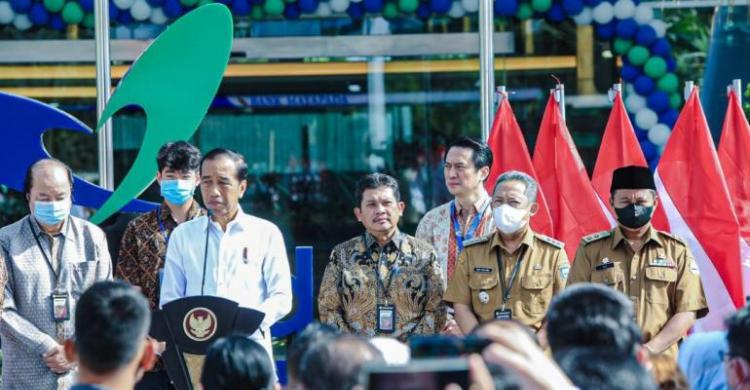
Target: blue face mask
{"type": "Point", "coordinates": [177, 192]}
{"type": "Point", "coordinates": [51, 213]}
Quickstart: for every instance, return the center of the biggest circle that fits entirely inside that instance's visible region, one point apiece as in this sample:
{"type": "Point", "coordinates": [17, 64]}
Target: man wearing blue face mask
{"type": "Point", "coordinates": [51, 259]}
{"type": "Point", "coordinates": [144, 244]}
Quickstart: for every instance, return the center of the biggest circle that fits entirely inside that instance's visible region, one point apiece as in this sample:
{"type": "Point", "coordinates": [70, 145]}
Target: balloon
{"type": "Point", "coordinates": [324, 9]}
{"type": "Point", "coordinates": [622, 46]}
{"type": "Point", "coordinates": [645, 36]}
{"type": "Point", "coordinates": [506, 7]}
{"type": "Point", "coordinates": [640, 134]}
{"type": "Point", "coordinates": [21, 22]}
{"type": "Point", "coordinates": [72, 13]}
{"type": "Point", "coordinates": [274, 7]}
{"type": "Point", "coordinates": [541, 5]}
{"type": "Point", "coordinates": [659, 134]}
{"type": "Point", "coordinates": [158, 16]}
{"type": "Point", "coordinates": [626, 28]}
{"type": "Point", "coordinates": [659, 27]}
{"type": "Point", "coordinates": [624, 9]}
{"type": "Point", "coordinates": [440, 6]}
{"type": "Point", "coordinates": [658, 101]}
{"type": "Point", "coordinates": [629, 72]}
{"type": "Point", "coordinates": [592, 3]}
{"type": "Point", "coordinates": [241, 7]}
{"type": "Point", "coordinates": [655, 67]}
{"type": "Point", "coordinates": [141, 10]}
{"type": "Point", "coordinates": [189, 3]}
{"type": "Point", "coordinates": [125, 17]}
{"type": "Point", "coordinates": [356, 11]}
{"type": "Point", "coordinates": [669, 117]}
{"type": "Point", "coordinates": [256, 12]}
{"type": "Point", "coordinates": [524, 11]}
{"type": "Point", "coordinates": [572, 7]}
{"type": "Point", "coordinates": [173, 8]}
{"type": "Point", "coordinates": [646, 118]}
{"type": "Point", "coordinates": [423, 11]}
{"type": "Point", "coordinates": [88, 20]}
{"type": "Point", "coordinates": [456, 10]}
{"type": "Point", "coordinates": [668, 83]}
{"type": "Point", "coordinates": [124, 4]}
{"type": "Point", "coordinates": [661, 47]}
{"type": "Point", "coordinates": [292, 11]}
{"type": "Point", "coordinates": [556, 13]}
{"type": "Point", "coordinates": [654, 162]}
{"type": "Point", "coordinates": [644, 86]}
{"type": "Point", "coordinates": [649, 149]}
{"type": "Point", "coordinates": [20, 7]}
{"type": "Point", "coordinates": [603, 13]}
{"type": "Point", "coordinates": [56, 22]}
{"type": "Point", "coordinates": [155, 3]}
{"type": "Point", "coordinates": [38, 15]}
{"type": "Point", "coordinates": [87, 5]}
{"type": "Point", "coordinates": [373, 6]}
{"type": "Point", "coordinates": [584, 18]}
{"type": "Point", "coordinates": [6, 13]}
{"type": "Point", "coordinates": [675, 100]}
{"type": "Point", "coordinates": [638, 55]}
{"type": "Point", "coordinates": [339, 6]}
{"type": "Point", "coordinates": [606, 31]}
{"type": "Point", "coordinates": [470, 6]}
{"type": "Point", "coordinates": [308, 6]}
{"type": "Point", "coordinates": [671, 64]}
{"type": "Point", "coordinates": [390, 10]}
{"type": "Point", "coordinates": [643, 13]}
{"type": "Point", "coordinates": [635, 102]}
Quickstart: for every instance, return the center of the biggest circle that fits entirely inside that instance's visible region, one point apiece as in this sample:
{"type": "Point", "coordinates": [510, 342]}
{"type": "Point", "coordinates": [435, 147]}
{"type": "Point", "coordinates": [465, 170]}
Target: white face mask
{"type": "Point", "coordinates": [509, 219]}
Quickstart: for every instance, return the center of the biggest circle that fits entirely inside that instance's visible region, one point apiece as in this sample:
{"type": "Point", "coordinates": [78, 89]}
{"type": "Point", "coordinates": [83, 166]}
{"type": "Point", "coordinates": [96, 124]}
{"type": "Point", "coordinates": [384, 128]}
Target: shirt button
{"type": "Point", "coordinates": [634, 277]}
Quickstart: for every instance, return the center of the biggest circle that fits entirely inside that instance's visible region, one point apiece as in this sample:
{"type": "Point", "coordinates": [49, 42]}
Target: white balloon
{"type": "Point", "coordinates": [124, 4]}
{"type": "Point", "coordinates": [659, 134]}
{"type": "Point", "coordinates": [646, 118]}
{"type": "Point", "coordinates": [140, 10]}
{"type": "Point", "coordinates": [6, 13]}
{"type": "Point", "coordinates": [456, 10]}
{"type": "Point", "coordinates": [624, 9]}
{"type": "Point", "coordinates": [157, 16]}
{"type": "Point", "coordinates": [583, 18]}
{"type": "Point", "coordinates": [643, 13]}
{"type": "Point", "coordinates": [470, 6]}
{"type": "Point", "coordinates": [629, 89]}
{"type": "Point", "coordinates": [355, 1]}
{"type": "Point", "coordinates": [603, 13]}
{"type": "Point", "coordinates": [324, 9]}
{"type": "Point", "coordinates": [660, 26]}
{"type": "Point", "coordinates": [339, 6]}
{"type": "Point", "coordinates": [22, 22]}
{"type": "Point", "coordinates": [635, 102]}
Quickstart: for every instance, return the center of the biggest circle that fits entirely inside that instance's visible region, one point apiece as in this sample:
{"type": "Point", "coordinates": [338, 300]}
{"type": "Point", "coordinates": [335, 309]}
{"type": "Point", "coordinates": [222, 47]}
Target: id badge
{"type": "Point", "coordinates": [60, 307]}
{"type": "Point", "coordinates": [506, 314]}
{"type": "Point", "coordinates": [386, 318]}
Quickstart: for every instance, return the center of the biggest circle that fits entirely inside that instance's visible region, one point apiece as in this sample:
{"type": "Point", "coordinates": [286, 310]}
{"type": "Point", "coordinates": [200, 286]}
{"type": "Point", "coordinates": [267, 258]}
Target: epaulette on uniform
{"type": "Point", "coordinates": [672, 236]}
{"type": "Point", "coordinates": [596, 236]}
{"type": "Point", "coordinates": [551, 241]}
{"type": "Point", "coordinates": [477, 240]}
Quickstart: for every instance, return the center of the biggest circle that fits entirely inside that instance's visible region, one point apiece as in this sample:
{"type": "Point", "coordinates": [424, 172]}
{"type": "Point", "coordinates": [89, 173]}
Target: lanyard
{"type": "Point", "coordinates": [501, 269]}
{"type": "Point", "coordinates": [380, 285]}
{"type": "Point", "coordinates": [47, 258]}
{"type": "Point", "coordinates": [474, 224]}
{"type": "Point", "coordinates": [161, 226]}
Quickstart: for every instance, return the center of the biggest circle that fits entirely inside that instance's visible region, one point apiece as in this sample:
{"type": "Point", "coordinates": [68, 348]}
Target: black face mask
{"type": "Point", "coordinates": [634, 216]}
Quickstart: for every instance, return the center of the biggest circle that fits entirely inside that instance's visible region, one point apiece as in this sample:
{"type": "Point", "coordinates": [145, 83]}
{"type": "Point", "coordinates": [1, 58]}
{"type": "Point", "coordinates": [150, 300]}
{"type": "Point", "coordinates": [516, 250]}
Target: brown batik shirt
{"type": "Point", "coordinates": [411, 281]}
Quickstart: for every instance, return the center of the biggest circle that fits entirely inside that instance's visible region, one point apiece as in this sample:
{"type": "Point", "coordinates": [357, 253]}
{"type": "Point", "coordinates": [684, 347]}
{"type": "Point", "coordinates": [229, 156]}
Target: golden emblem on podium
{"type": "Point", "coordinates": [199, 324]}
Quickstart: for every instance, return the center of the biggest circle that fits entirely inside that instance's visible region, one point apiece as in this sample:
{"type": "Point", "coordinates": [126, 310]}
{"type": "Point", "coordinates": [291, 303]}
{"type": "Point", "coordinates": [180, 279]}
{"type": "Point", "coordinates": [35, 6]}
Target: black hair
{"type": "Point", "coordinates": [236, 362]}
{"type": "Point", "coordinates": [311, 335]}
{"type": "Point", "coordinates": [481, 153]}
{"type": "Point", "coordinates": [376, 180]}
{"type": "Point", "coordinates": [239, 161]}
{"type": "Point", "coordinates": [178, 156]}
{"type": "Point", "coordinates": [595, 368]}
{"type": "Point", "coordinates": [337, 364]}
{"type": "Point", "coordinates": [592, 315]}
{"type": "Point", "coordinates": [110, 319]}
{"type": "Point", "coordinates": [738, 333]}
{"type": "Point", "coordinates": [29, 178]}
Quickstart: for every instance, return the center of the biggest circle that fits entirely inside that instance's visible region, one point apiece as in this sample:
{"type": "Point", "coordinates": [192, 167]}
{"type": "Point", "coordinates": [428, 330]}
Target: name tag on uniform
{"type": "Point", "coordinates": [60, 307]}
{"type": "Point", "coordinates": [662, 262]}
{"type": "Point", "coordinates": [506, 314]}
{"type": "Point", "coordinates": [386, 318]}
{"type": "Point", "coordinates": [483, 270]}
{"type": "Point", "coordinates": [603, 266]}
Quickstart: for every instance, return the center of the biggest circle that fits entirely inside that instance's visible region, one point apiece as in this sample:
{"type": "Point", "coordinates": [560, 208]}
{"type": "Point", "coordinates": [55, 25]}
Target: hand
{"type": "Point", "coordinates": [56, 361]}
{"type": "Point", "coordinates": [159, 346]}
{"type": "Point", "coordinates": [479, 375]}
{"type": "Point", "coordinates": [451, 328]}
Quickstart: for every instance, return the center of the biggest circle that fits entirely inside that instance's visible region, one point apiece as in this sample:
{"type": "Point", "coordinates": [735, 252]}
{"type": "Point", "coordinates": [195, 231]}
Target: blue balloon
{"type": "Point", "coordinates": [113, 11]}
{"type": "Point", "coordinates": [172, 8]}
{"type": "Point", "coordinates": [661, 47]}
{"type": "Point", "coordinates": [56, 22]}
{"type": "Point", "coordinates": [654, 162]}
{"type": "Point", "coordinates": [440, 6]}
{"type": "Point", "coordinates": [87, 5]}
{"type": "Point", "coordinates": [556, 13]}
{"type": "Point", "coordinates": [241, 7]}
{"type": "Point", "coordinates": [644, 85]}
{"type": "Point", "coordinates": [38, 15]}
{"type": "Point", "coordinates": [629, 72]}
{"type": "Point", "coordinates": [424, 12]}
{"type": "Point", "coordinates": [592, 3]}
{"type": "Point", "coordinates": [292, 11]}
{"type": "Point", "coordinates": [640, 133]}
{"type": "Point", "coordinates": [645, 36]}
{"type": "Point", "coordinates": [506, 7]}
{"type": "Point", "coordinates": [671, 64]}
{"type": "Point", "coordinates": [20, 6]}
{"type": "Point", "coordinates": [606, 31]}
{"type": "Point", "coordinates": [308, 6]}
{"type": "Point", "coordinates": [373, 6]}
{"type": "Point", "coordinates": [125, 18]}
{"type": "Point", "coordinates": [626, 28]}
{"type": "Point", "coordinates": [572, 7]}
{"type": "Point", "coordinates": [649, 149]}
{"type": "Point", "coordinates": [658, 101]}
{"type": "Point", "coordinates": [356, 11]}
{"type": "Point", "coordinates": [669, 117]}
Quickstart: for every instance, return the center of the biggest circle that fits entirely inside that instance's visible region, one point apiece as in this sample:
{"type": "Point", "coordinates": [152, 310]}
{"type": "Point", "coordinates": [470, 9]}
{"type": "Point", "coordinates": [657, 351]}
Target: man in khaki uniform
{"type": "Point", "coordinates": [513, 272]}
{"type": "Point", "coordinates": [655, 269]}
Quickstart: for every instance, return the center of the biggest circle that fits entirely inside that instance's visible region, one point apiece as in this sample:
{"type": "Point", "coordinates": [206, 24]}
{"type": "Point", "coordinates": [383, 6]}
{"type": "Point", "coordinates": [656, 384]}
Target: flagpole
{"type": "Point", "coordinates": [737, 88]}
{"type": "Point", "coordinates": [500, 94]}
{"type": "Point", "coordinates": [689, 85]}
{"type": "Point", "coordinates": [616, 88]}
{"type": "Point", "coordinates": [486, 65]}
{"type": "Point", "coordinates": [560, 98]}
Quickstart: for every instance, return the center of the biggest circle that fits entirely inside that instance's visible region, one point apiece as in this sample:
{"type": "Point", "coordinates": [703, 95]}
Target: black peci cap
{"type": "Point", "coordinates": [632, 178]}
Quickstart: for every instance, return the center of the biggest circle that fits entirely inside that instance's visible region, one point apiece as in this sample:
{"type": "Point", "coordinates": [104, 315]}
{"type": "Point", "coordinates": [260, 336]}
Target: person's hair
{"type": "Point", "coordinates": [667, 373]}
{"type": "Point", "coordinates": [314, 333]}
{"type": "Point", "coordinates": [337, 364]}
{"type": "Point", "coordinates": [532, 187]}
{"type": "Point", "coordinates": [236, 362]}
{"type": "Point", "coordinates": [239, 161]}
{"type": "Point", "coordinates": [738, 334]}
{"type": "Point", "coordinates": [178, 156]}
{"type": "Point", "coordinates": [481, 154]}
{"type": "Point", "coordinates": [376, 180]}
{"type": "Point", "coordinates": [110, 319]}
{"type": "Point", "coordinates": [595, 368]}
{"type": "Point", "coordinates": [28, 180]}
{"type": "Point", "coordinates": [592, 315]}
{"type": "Point", "coordinates": [503, 378]}
{"type": "Point", "coordinates": [525, 328]}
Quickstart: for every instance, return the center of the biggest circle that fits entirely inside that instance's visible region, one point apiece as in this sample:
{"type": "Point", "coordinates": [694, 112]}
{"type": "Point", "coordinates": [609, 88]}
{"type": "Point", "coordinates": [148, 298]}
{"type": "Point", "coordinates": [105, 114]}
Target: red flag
{"type": "Point", "coordinates": [573, 204]}
{"type": "Point", "coordinates": [620, 148]}
{"type": "Point", "coordinates": [733, 155]}
{"type": "Point", "coordinates": [696, 199]}
{"type": "Point", "coordinates": [510, 153]}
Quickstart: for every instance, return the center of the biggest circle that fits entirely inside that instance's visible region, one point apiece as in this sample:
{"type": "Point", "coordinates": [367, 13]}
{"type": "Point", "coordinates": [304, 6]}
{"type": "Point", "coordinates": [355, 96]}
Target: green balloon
{"type": "Point", "coordinates": [622, 46]}
{"type": "Point", "coordinates": [88, 20]}
{"type": "Point", "coordinates": [72, 13]}
{"type": "Point", "coordinates": [257, 12]}
{"type": "Point", "coordinates": [189, 3]}
{"type": "Point", "coordinates": [273, 7]}
{"type": "Point", "coordinates": [54, 5]}
{"type": "Point", "coordinates": [408, 6]}
{"type": "Point", "coordinates": [541, 5]}
{"type": "Point", "coordinates": [638, 55]}
{"type": "Point", "coordinates": [675, 100]}
{"type": "Point", "coordinates": [390, 10]}
{"type": "Point", "coordinates": [524, 11]}
{"type": "Point", "coordinates": [204, 2]}
{"type": "Point", "coordinates": [655, 67]}
{"type": "Point", "coordinates": [668, 83]}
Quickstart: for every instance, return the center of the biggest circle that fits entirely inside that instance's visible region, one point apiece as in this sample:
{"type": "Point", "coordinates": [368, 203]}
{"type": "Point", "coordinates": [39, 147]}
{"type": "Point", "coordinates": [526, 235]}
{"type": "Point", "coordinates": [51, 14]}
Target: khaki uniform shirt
{"type": "Point", "coordinates": [542, 273]}
{"type": "Point", "coordinates": [662, 279]}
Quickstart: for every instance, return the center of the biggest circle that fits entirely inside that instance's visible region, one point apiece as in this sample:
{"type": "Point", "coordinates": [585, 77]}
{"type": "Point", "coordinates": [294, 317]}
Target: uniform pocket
{"type": "Point", "coordinates": [535, 292]}
{"type": "Point", "coordinates": [82, 275]}
{"type": "Point", "coordinates": [657, 283]}
{"type": "Point", "coordinates": [611, 277]}
{"type": "Point", "coordinates": [478, 283]}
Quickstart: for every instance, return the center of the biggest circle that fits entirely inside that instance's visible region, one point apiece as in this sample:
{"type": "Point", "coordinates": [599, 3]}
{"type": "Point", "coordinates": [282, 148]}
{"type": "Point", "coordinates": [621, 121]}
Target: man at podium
{"type": "Point", "coordinates": [228, 253]}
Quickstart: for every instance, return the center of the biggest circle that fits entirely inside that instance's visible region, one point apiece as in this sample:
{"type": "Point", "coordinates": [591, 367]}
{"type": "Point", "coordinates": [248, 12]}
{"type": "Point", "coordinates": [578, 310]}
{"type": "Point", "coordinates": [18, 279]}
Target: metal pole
{"type": "Point", "coordinates": [688, 89]}
{"type": "Point", "coordinates": [616, 88]}
{"type": "Point", "coordinates": [486, 65]}
{"type": "Point", "coordinates": [500, 94]}
{"type": "Point", "coordinates": [737, 87]}
{"type": "Point", "coordinates": [560, 98]}
{"type": "Point", "coordinates": [103, 84]}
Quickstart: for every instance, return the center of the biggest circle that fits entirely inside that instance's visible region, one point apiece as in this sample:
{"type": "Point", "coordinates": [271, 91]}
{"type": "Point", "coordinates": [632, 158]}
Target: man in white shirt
{"type": "Point", "coordinates": [244, 256]}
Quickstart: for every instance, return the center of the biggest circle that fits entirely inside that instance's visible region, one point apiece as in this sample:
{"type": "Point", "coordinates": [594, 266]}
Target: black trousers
{"type": "Point", "coordinates": [155, 380]}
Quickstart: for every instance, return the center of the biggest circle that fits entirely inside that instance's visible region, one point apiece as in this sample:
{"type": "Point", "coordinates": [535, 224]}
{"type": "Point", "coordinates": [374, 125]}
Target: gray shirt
{"type": "Point", "coordinates": [27, 327]}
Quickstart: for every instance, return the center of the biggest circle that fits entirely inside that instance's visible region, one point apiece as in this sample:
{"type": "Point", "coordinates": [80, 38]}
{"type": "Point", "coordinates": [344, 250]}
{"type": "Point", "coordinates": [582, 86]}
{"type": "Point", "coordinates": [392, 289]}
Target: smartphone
{"type": "Point", "coordinates": [419, 374]}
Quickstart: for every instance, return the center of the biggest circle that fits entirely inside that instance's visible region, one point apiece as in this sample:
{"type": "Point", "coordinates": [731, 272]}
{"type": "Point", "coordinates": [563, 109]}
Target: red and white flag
{"type": "Point", "coordinates": [692, 189]}
{"type": "Point", "coordinates": [620, 148]}
{"type": "Point", "coordinates": [573, 204]}
{"type": "Point", "coordinates": [509, 152]}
